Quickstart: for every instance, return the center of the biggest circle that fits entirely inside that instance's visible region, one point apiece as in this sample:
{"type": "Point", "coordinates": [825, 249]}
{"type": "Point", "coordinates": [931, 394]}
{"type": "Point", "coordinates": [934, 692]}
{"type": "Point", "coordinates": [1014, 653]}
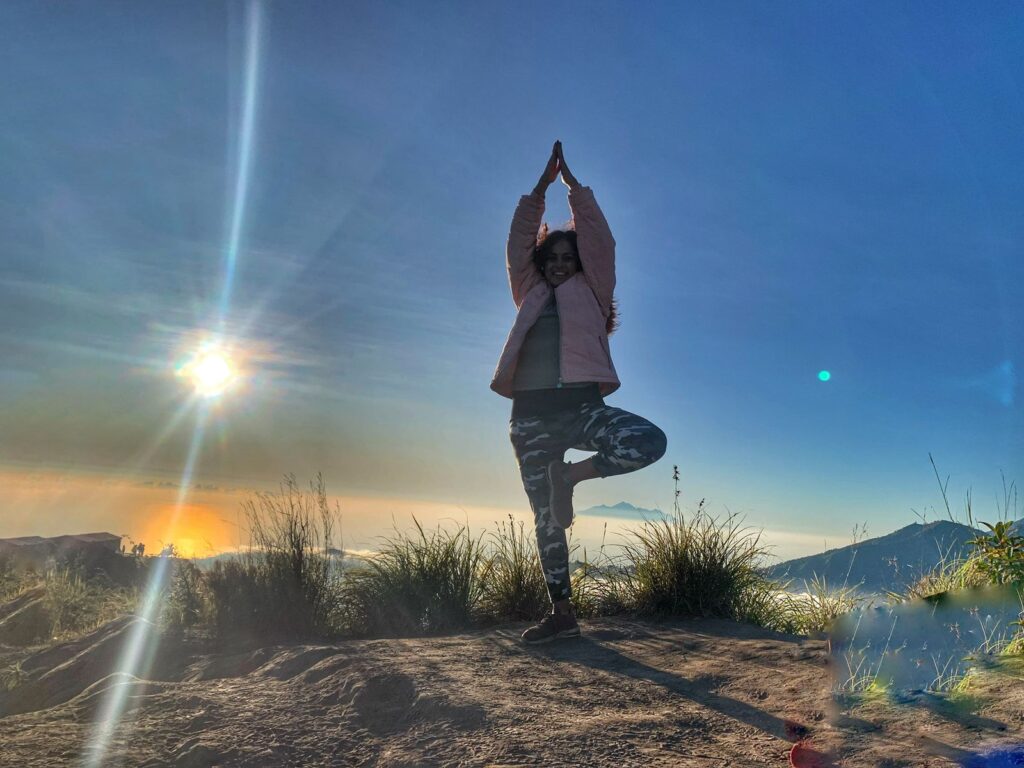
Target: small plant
{"type": "Point", "coordinates": [999, 556]}
{"type": "Point", "coordinates": [948, 674]}
{"type": "Point", "coordinates": [861, 675]}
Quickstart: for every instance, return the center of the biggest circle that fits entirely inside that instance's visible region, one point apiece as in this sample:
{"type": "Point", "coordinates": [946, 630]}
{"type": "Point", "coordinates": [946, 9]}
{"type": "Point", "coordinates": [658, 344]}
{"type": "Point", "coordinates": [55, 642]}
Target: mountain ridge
{"type": "Point", "coordinates": [623, 509]}
{"type": "Point", "coordinates": [889, 562]}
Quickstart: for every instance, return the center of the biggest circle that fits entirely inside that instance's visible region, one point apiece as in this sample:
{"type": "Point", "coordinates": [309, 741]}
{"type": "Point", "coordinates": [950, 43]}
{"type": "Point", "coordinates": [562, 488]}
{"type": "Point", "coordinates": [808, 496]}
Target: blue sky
{"type": "Point", "coordinates": [793, 187]}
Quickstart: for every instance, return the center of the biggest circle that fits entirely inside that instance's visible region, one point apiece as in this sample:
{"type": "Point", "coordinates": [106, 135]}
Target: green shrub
{"type": "Point", "coordinates": [696, 566]}
{"type": "Point", "coordinates": [999, 556]}
{"type": "Point", "coordinates": [417, 585]}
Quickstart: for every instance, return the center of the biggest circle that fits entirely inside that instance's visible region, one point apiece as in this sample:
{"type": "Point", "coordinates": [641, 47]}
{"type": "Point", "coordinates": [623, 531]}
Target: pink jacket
{"type": "Point", "coordinates": [584, 300]}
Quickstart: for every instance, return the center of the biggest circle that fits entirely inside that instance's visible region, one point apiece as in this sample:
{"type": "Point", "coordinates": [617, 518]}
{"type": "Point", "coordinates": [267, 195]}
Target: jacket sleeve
{"type": "Point", "coordinates": [596, 245]}
{"type": "Point", "coordinates": [522, 238]}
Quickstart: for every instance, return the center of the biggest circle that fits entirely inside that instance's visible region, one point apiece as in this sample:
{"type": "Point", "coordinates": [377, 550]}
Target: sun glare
{"type": "Point", "coordinates": [210, 370]}
{"type": "Point", "coordinates": [212, 374]}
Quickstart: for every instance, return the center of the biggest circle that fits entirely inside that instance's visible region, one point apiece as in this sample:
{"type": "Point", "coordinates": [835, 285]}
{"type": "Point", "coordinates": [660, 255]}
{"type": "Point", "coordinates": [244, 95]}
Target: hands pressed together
{"type": "Point", "coordinates": [556, 165]}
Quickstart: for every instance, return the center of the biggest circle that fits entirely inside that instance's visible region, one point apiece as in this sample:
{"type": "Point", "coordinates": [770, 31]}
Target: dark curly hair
{"type": "Point", "coordinates": [546, 240]}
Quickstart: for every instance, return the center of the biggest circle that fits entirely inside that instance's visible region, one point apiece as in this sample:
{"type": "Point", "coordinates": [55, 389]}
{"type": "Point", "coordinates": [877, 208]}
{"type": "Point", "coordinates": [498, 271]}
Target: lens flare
{"type": "Point", "coordinates": [245, 154]}
{"type": "Point", "coordinates": [824, 375]}
{"type": "Point", "coordinates": [140, 646]}
{"type": "Point", "coordinates": [212, 372]}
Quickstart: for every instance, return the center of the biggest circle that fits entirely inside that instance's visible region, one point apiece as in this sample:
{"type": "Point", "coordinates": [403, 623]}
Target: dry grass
{"type": "Point", "coordinates": [284, 586]}
{"type": "Point", "coordinates": [428, 582]}
{"type": "Point", "coordinates": [75, 604]}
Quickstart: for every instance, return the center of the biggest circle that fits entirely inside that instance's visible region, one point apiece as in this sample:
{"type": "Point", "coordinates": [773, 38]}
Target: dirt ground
{"type": "Point", "coordinates": [628, 693]}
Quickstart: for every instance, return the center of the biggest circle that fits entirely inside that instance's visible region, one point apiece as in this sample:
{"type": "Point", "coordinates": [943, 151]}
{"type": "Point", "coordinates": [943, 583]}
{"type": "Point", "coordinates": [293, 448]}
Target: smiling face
{"type": "Point", "coordinates": [561, 263]}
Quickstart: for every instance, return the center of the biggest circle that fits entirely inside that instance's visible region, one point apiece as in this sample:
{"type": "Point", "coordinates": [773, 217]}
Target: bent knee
{"type": "Point", "coordinates": [658, 445]}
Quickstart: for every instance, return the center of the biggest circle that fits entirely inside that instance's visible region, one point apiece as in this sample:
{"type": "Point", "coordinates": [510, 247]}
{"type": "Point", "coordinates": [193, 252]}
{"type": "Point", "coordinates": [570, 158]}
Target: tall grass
{"type": "Point", "coordinates": [702, 565]}
{"type": "Point", "coordinates": [71, 600]}
{"type": "Point", "coordinates": [600, 586]}
{"type": "Point", "coordinates": [815, 608]}
{"type": "Point", "coordinates": [693, 565]}
{"type": "Point", "coordinates": [283, 586]}
{"type": "Point", "coordinates": [951, 574]}
{"type": "Point", "coordinates": [425, 584]}
{"type": "Point", "coordinates": [434, 581]}
{"type": "Point", "coordinates": [188, 600]}
{"type": "Point", "coordinates": [514, 589]}
{"type": "Point", "coordinates": [443, 580]}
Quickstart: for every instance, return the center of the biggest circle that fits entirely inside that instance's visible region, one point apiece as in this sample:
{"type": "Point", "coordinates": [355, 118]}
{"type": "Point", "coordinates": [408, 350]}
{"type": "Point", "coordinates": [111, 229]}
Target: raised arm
{"type": "Point", "coordinates": [522, 236]}
{"type": "Point", "coordinates": [593, 237]}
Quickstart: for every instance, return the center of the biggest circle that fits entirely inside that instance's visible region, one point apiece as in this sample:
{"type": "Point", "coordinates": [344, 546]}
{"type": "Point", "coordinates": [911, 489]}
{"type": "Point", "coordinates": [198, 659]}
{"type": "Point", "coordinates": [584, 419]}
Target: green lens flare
{"type": "Point", "coordinates": [824, 375]}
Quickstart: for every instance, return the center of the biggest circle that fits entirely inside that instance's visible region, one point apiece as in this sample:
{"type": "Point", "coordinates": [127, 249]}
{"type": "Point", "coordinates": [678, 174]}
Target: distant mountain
{"type": "Point", "coordinates": [889, 562]}
{"type": "Point", "coordinates": [623, 510]}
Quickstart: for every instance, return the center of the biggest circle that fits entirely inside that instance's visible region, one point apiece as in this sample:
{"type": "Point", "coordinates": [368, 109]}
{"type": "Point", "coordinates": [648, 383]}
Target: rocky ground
{"type": "Point", "coordinates": [628, 693]}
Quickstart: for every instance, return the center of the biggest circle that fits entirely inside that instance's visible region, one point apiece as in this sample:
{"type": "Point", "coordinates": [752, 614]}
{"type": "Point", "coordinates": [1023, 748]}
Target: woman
{"type": "Point", "coordinates": [556, 367]}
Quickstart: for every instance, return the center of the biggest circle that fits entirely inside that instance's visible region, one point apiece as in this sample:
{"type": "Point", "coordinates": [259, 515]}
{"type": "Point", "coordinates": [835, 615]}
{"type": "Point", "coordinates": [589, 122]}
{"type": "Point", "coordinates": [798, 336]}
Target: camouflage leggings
{"type": "Point", "coordinates": [624, 443]}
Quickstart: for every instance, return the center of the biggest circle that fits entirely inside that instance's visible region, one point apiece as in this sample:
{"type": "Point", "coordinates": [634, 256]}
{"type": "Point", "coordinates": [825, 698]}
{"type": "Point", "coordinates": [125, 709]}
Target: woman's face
{"type": "Point", "coordinates": [560, 264]}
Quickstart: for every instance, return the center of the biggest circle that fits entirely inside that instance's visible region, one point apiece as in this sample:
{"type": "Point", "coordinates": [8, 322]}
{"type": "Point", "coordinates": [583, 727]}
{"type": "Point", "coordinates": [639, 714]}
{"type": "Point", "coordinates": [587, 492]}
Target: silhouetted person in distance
{"type": "Point", "coordinates": [556, 367]}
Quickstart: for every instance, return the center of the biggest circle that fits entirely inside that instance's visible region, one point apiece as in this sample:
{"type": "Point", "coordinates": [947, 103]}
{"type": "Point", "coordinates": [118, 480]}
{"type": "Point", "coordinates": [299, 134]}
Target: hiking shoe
{"type": "Point", "coordinates": [560, 498]}
{"type": "Point", "coordinates": [554, 626]}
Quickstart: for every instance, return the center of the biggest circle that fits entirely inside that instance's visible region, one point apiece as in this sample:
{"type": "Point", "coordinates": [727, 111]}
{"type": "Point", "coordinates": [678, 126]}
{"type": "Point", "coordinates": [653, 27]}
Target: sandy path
{"type": "Point", "coordinates": [694, 693]}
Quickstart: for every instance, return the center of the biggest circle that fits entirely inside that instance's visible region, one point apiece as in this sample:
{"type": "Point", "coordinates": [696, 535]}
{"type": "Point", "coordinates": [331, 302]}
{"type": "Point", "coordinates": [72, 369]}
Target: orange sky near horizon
{"type": "Point", "coordinates": [212, 520]}
{"type": "Point", "coordinates": [209, 520]}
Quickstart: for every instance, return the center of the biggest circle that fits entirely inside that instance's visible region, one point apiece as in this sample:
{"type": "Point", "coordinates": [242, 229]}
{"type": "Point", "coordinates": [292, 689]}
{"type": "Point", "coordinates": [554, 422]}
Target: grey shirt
{"type": "Point", "coordinates": [537, 367]}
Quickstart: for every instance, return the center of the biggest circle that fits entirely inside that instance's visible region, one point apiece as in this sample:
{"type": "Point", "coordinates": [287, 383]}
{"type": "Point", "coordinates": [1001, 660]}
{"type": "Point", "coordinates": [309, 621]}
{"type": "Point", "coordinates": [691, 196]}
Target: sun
{"type": "Point", "coordinates": [210, 370]}
{"type": "Point", "coordinates": [212, 374]}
